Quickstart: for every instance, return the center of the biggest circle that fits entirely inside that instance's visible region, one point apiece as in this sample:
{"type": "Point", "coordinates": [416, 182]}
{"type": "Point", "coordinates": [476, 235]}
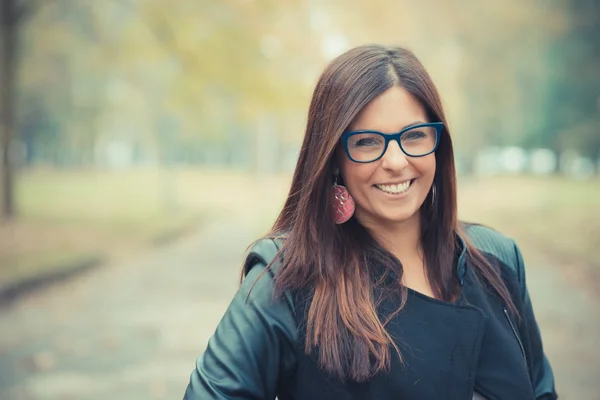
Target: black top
{"type": "Point", "coordinates": [450, 349]}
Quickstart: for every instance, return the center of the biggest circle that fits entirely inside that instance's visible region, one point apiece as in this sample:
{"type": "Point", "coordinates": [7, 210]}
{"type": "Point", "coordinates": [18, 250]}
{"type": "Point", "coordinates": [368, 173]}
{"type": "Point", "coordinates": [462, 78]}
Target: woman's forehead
{"type": "Point", "coordinates": [390, 112]}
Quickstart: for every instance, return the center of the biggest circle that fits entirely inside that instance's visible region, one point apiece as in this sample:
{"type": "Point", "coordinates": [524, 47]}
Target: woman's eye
{"type": "Point", "coordinates": [413, 135]}
{"type": "Point", "coordinates": [367, 142]}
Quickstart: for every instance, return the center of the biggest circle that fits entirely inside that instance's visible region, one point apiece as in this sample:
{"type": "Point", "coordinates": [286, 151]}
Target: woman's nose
{"type": "Point", "coordinates": [394, 158]}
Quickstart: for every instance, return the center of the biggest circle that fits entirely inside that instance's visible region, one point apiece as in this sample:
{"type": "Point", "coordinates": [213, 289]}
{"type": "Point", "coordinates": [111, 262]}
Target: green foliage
{"type": "Point", "coordinates": [165, 76]}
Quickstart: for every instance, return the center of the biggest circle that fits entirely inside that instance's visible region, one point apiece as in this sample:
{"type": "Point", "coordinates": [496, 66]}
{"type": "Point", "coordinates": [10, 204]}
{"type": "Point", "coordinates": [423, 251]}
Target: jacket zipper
{"type": "Point", "coordinates": [516, 335]}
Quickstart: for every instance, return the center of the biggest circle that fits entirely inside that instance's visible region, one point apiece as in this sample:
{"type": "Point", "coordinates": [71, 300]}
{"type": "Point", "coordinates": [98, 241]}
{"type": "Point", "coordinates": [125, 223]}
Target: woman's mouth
{"type": "Point", "coordinates": [396, 188]}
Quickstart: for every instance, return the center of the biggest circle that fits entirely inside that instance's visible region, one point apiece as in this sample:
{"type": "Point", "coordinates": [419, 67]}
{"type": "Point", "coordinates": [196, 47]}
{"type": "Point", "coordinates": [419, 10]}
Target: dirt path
{"type": "Point", "coordinates": [128, 331]}
{"type": "Point", "coordinates": [569, 320]}
{"type": "Point", "coordinates": [133, 330]}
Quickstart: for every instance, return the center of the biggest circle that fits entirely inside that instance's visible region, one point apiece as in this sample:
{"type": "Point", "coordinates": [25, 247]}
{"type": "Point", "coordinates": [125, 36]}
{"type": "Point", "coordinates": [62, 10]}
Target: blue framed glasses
{"type": "Point", "coordinates": [415, 141]}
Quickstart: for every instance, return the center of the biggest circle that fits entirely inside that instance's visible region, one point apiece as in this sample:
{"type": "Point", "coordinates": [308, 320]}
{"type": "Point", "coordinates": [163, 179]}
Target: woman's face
{"type": "Point", "coordinates": [393, 188]}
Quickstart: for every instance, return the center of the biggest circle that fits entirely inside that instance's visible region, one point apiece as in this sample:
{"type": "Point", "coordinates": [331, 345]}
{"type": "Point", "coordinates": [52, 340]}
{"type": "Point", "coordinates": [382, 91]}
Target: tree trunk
{"type": "Point", "coordinates": [8, 39]}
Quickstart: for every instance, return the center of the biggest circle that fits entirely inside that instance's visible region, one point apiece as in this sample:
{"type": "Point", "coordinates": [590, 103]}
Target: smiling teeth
{"type": "Point", "coordinates": [394, 189]}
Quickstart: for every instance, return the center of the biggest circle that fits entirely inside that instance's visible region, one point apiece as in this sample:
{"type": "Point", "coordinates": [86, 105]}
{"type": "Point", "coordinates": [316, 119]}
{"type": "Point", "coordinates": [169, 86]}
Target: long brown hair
{"type": "Point", "coordinates": [332, 261]}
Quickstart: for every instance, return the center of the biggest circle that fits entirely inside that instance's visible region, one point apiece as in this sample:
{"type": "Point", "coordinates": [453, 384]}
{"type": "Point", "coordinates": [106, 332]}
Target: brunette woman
{"type": "Point", "coordinates": [368, 286]}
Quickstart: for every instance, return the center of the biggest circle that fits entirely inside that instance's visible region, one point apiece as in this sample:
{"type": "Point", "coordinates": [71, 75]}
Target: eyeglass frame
{"type": "Point", "coordinates": [439, 126]}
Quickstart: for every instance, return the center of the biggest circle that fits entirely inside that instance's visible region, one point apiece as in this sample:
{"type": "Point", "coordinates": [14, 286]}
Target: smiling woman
{"type": "Point", "coordinates": [390, 175]}
{"type": "Point", "coordinates": [368, 287]}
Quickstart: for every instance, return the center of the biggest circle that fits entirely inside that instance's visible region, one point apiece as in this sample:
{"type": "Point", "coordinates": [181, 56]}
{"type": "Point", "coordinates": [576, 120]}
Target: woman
{"type": "Point", "coordinates": [377, 291]}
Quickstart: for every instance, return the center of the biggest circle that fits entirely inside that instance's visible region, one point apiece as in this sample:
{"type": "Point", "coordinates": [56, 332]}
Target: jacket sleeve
{"type": "Point", "coordinates": [253, 350]}
{"type": "Point", "coordinates": [540, 370]}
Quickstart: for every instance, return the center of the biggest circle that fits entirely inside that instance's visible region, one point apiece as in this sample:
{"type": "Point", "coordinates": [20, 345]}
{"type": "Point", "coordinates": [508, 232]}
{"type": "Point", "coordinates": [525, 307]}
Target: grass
{"type": "Point", "coordinates": [17, 268]}
{"type": "Point", "coordinates": [67, 216]}
{"type": "Point", "coordinates": [554, 219]}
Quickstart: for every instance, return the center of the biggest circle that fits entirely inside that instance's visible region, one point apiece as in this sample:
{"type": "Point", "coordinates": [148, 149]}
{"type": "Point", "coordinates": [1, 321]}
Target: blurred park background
{"type": "Point", "coordinates": [155, 140]}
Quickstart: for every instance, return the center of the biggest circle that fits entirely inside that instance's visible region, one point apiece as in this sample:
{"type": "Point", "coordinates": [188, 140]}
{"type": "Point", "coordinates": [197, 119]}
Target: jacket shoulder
{"type": "Point", "coordinates": [490, 241]}
{"type": "Point", "coordinates": [263, 251]}
{"type": "Point", "coordinates": [266, 252]}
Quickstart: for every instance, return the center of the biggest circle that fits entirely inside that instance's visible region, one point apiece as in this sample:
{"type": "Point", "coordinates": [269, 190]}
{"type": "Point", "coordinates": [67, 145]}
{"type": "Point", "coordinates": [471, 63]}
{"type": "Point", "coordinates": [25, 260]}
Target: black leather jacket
{"type": "Point", "coordinates": [253, 353]}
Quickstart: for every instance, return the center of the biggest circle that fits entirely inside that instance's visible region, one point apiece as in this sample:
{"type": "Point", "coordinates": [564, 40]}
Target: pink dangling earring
{"type": "Point", "coordinates": [343, 203]}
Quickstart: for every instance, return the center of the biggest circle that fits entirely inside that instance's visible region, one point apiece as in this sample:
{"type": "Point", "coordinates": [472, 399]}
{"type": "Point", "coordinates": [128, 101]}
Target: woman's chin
{"type": "Point", "coordinates": [398, 216]}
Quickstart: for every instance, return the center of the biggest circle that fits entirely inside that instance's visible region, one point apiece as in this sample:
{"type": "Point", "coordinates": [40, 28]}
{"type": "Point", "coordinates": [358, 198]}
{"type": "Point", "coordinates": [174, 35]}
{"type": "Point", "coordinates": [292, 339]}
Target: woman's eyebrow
{"type": "Point", "coordinates": [375, 130]}
{"type": "Point", "coordinates": [414, 124]}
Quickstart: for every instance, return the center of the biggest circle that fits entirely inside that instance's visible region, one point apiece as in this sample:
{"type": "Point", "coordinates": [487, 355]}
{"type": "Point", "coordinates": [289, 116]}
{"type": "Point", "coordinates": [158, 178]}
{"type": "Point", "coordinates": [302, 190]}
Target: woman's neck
{"type": "Point", "coordinates": [402, 239]}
